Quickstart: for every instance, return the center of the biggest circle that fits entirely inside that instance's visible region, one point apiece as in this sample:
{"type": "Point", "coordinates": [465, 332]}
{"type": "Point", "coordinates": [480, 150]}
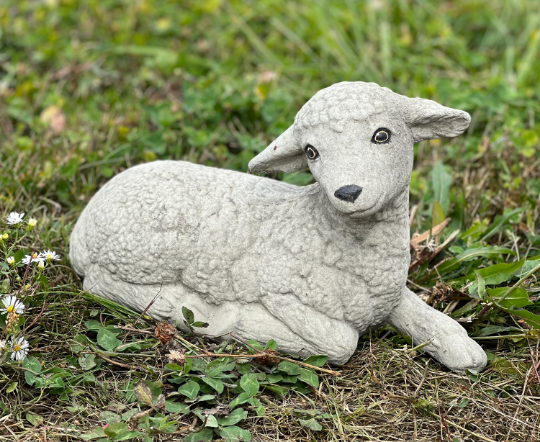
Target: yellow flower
{"type": "Point", "coordinates": [32, 223]}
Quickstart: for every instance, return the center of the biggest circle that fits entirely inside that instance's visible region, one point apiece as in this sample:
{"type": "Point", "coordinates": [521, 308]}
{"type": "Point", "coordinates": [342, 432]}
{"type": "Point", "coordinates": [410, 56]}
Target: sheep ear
{"type": "Point", "coordinates": [283, 155]}
{"type": "Point", "coordinates": [429, 120]}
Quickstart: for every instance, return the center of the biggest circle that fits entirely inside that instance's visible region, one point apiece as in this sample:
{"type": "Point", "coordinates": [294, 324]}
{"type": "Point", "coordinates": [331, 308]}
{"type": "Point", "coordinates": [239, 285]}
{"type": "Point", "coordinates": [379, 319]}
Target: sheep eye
{"type": "Point", "coordinates": [381, 136]}
{"type": "Point", "coordinates": [311, 152]}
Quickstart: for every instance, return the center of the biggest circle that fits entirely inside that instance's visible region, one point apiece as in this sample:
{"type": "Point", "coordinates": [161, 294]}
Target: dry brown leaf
{"type": "Point", "coordinates": [54, 118]}
{"type": "Point", "coordinates": [217, 410]}
{"type": "Point", "coordinates": [268, 359]}
{"type": "Point", "coordinates": [143, 393]}
{"type": "Point", "coordinates": [165, 332]}
{"type": "Point", "coordinates": [416, 240]}
{"type": "Point", "coordinates": [177, 356]}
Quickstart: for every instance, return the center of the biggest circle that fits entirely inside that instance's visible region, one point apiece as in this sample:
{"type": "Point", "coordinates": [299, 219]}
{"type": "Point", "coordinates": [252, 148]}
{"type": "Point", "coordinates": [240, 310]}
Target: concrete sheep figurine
{"type": "Point", "coordinates": [311, 267]}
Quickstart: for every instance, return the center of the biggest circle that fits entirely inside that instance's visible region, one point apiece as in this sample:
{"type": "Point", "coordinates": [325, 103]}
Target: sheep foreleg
{"type": "Point", "coordinates": [450, 343]}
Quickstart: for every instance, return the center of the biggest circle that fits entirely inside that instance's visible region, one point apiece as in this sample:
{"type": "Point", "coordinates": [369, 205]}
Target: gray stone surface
{"type": "Point", "coordinates": [268, 260]}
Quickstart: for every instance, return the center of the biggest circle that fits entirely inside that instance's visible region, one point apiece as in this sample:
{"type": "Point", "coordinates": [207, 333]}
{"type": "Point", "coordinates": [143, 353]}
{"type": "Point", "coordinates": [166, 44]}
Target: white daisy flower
{"type": "Point", "coordinates": [2, 345]}
{"type": "Point", "coordinates": [14, 218]}
{"type": "Point", "coordinates": [34, 257]}
{"type": "Point", "coordinates": [49, 255]}
{"type": "Point", "coordinates": [19, 349]}
{"type": "Point", "coordinates": [12, 305]}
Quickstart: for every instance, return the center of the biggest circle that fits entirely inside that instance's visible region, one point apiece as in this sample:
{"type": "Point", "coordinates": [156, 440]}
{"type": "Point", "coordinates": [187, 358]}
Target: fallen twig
{"type": "Point", "coordinates": [120, 364]}
{"type": "Point", "coordinates": [150, 304]}
{"type": "Point", "coordinates": [145, 310]}
{"type": "Point", "coordinates": [261, 355]}
{"type": "Point", "coordinates": [535, 366]}
{"type": "Point", "coordinates": [36, 318]}
{"type": "Point", "coordinates": [138, 330]}
{"type": "Point", "coordinates": [283, 358]}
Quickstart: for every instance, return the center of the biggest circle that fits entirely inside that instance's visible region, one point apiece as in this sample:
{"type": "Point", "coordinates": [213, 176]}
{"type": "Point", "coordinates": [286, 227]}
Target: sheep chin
{"type": "Point", "coordinates": [360, 208]}
{"type": "Point", "coordinates": [365, 212]}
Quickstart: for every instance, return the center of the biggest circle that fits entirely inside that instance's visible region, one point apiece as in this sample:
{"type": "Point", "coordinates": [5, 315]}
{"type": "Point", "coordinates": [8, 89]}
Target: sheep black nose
{"type": "Point", "coordinates": [348, 193]}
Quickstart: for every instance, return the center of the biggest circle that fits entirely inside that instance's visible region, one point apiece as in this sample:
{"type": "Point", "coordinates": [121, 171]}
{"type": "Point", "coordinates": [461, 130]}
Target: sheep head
{"type": "Point", "coordinates": [357, 139]}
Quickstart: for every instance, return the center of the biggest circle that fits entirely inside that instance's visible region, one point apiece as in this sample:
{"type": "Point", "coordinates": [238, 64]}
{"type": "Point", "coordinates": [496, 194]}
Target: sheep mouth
{"type": "Point", "coordinates": [365, 211]}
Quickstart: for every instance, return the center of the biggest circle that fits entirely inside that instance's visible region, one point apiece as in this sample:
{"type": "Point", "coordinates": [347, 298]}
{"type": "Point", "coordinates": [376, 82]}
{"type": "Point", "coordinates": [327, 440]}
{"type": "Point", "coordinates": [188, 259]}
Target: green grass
{"type": "Point", "coordinates": [89, 88]}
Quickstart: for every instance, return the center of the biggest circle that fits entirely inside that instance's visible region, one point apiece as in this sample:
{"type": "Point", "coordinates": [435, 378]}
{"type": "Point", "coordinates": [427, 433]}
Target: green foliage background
{"type": "Point", "coordinates": [214, 81]}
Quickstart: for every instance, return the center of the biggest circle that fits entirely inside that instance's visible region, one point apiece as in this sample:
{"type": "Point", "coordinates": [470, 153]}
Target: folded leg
{"type": "Point", "coordinates": [318, 333]}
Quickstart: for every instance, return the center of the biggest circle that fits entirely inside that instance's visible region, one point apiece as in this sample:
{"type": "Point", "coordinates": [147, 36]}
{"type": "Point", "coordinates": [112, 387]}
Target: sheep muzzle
{"type": "Point", "coordinates": [348, 193]}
